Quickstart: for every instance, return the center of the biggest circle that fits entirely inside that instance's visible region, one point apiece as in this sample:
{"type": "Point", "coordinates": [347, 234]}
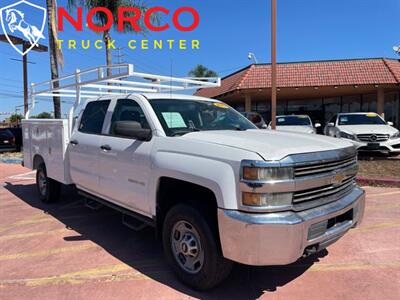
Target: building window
{"type": "Point", "coordinates": [331, 108]}
{"type": "Point", "coordinates": [369, 103]}
{"type": "Point", "coordinates": [351, 103]}
{"type": "Point", "coordinates": [392, 108]}
{"type": "Point", "coordinates": [311, 107]}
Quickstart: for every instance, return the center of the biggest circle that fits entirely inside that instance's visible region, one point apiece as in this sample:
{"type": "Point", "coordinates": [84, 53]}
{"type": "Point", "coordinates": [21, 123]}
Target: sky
{"type": "Point", "coordinates": [307, 30]}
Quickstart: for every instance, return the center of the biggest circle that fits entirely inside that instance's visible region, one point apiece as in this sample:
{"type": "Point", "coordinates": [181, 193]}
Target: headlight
{"type": "Point", "coordinates": [347, 136]}
{"type": "Point", "coordinates": [267, 200]}
{"type": "Point", "coordinates": [396, 135]}
{"type": "Point", "coordinates": [264, 174]}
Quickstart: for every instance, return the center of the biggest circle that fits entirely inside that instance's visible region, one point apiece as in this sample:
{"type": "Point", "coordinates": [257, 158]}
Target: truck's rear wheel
{"type": "Point", "coordinates": [49, 189]}
{"type": "Point", "coordinates": [191, 248]}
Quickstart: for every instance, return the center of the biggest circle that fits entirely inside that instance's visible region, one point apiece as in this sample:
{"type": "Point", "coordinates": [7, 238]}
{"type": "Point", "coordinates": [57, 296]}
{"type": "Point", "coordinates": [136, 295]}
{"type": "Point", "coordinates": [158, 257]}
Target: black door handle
{"type": "Point", "coordinates": [74, 142]}
{"type": "Point", "coordinates": [105, 147]}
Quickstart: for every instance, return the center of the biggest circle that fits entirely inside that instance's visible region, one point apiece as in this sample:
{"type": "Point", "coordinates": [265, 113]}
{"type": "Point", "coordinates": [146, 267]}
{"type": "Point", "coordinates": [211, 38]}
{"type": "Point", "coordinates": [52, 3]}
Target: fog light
{"type": "Point", "coordinates": [269, 200]}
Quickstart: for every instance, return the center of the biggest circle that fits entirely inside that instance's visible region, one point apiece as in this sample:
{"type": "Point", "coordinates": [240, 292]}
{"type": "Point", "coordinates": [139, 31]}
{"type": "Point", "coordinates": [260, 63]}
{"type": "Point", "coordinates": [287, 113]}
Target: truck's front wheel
{"type": "Point", "coordinates": [191, 248]}
{"type": "Point", "coordinates": [49, 189]}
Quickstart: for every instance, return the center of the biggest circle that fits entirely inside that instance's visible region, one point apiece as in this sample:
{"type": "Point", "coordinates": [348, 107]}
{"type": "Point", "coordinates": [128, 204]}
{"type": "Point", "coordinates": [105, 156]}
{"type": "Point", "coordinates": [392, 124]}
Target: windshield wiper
{"type": "Point", "coordinates": [185, 131]}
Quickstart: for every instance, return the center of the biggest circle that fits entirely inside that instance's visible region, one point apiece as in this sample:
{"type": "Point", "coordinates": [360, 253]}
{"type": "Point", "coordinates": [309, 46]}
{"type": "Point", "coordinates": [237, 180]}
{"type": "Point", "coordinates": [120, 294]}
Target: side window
{"type": "Point", "coordinates": [93, 117]}
{"type": "Point", "coordinates": [128, 110]}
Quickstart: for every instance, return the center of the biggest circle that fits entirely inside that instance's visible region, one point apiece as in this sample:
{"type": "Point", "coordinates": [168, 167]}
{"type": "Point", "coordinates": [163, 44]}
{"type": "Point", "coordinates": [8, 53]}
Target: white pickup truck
{"type": "Point", "coordinates": [217, 189]}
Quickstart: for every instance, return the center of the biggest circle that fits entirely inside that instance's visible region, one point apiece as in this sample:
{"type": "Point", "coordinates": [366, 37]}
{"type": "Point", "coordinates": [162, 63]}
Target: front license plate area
{"type": "Point", "coordinates": [373, 146]}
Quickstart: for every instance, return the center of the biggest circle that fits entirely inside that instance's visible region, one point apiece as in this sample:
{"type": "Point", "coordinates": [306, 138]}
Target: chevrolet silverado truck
{"type": "Point", "coordinates": [216, 189]}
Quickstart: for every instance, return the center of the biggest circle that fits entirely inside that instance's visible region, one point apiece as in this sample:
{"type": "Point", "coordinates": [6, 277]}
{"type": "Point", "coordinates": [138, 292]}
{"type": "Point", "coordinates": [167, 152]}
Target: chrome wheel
{"type": "Point", "coordinates": [42, 182]}
{"type": "Point", "coordinates": [186, 247]}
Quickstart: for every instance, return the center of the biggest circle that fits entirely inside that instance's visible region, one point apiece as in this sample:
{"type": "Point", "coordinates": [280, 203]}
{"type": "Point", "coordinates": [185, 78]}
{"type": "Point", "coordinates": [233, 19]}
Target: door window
{"type": "Point", "coordinates": [128, 110]}
{"type": "Point", "coordinates": [93, 117]}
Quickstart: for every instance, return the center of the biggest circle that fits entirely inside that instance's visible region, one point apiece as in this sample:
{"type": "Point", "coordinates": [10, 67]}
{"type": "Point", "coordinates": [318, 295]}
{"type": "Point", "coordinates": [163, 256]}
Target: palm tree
{"type": "Point", "coordinates": [202, 71]}
{"type": "Point", "coordinates": [56, 56]}
{"type": "Point", "coordinates": [101, 18]}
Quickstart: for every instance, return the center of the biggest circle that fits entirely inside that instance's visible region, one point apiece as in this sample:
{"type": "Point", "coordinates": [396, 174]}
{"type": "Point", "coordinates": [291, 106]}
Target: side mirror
{"type": "Point", "coordinates": [132, 129]}
{"type": "Point", "coordinates": [390, 123]}
{"type": "Point", "coordinates": [331, 124]}
{"type": "Point", "coordinates": [317, 125]}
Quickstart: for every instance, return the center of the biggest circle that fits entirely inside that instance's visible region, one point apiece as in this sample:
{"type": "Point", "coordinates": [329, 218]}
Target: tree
{"type": "Point", "coordinates": [202, 71]}
{"type": "Point", "coordinates": [43, 115]}
{"type": "Point", "coordinates": [56, 56]}
{"type": "Point", "coordinates": [15, 118]}
{"type": "Point", "coordinates": [101, 18]}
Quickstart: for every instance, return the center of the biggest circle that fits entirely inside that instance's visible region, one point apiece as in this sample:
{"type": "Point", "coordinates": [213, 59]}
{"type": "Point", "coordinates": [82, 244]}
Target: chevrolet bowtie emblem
{"type": "Point", "coordinates": [338, 178]}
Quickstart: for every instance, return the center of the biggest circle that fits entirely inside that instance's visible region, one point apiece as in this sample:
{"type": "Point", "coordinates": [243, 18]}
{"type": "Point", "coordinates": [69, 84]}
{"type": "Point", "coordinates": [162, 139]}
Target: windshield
{"type": "Point", "coordinates": [179, 117]}
{"type": "Point", "coordinates": [293, 121]}
{"type": "Point", "coordinates": [361, 119]}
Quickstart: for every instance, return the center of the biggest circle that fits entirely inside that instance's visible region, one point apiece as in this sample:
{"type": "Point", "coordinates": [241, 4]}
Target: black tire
{"type": "Point", "coordinates": [52, 190]}
{"type": "Point", "coordinates": [215, 267]}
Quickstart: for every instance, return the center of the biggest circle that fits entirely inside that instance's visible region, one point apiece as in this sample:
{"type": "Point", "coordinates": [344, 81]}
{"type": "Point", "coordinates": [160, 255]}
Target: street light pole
{"type": "Point", "coordinates": [273, 64]}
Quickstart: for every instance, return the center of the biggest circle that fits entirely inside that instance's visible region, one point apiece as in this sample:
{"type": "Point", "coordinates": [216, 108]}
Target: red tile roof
{"type": "Point", "coordinates": [310, 74]}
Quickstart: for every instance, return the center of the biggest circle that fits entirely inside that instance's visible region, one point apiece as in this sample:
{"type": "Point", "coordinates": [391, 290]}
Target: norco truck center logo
{"type": "Point", "coordinates": [15, 22]}
{"type": "Point", "coordinates": [19, 19]}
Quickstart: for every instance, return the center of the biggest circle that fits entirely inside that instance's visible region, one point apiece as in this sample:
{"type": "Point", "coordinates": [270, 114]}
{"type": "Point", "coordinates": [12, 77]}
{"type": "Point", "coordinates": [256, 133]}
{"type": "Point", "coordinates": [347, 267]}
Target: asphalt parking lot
{"type": "Point", "coordinates": [67, 251]}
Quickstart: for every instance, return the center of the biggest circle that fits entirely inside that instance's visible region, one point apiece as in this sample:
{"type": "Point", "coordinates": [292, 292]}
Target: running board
{"type": "Point", "coordinates": [131, 219]}
{"type": "Point", "coordinates": [92, 204]}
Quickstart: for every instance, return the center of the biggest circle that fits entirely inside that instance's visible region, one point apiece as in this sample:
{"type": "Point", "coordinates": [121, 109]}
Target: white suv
{"type": "Point", "coordinates": [367, 131]}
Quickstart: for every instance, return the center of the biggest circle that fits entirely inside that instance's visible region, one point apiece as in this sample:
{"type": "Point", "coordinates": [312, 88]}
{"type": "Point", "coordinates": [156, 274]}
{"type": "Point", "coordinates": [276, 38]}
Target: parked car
{"type": "Point", "coordinates": [7, 141]}
{"type": "Point", "coordinates": [367, 131]}
{"type": "Point", "coordinates": [17, 132]}
{"type": "Point", "coordinates": [295, 123]}
{"type": "Point", "coordinates": [256, 119]}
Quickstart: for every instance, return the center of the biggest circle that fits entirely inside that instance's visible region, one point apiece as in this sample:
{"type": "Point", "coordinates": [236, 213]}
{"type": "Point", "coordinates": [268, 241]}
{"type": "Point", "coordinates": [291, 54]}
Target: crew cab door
{"type": "Point", "coordinates": [125, 163]}
{"type": "Point", "coordinates": [84, 146]}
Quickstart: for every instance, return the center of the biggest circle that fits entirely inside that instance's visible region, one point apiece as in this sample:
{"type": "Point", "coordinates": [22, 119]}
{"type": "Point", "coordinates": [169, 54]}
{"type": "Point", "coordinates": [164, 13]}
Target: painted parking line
{"type": "Point", "coordinates": [376, 227]}
{"type": "Point", "coordinates": [48, 218]}
{"type": "Point", "coordinates": [106, 273]}
{"type": "Point", "coordinates": [354, 266]}
{"type": "Point", "coordinates": [384, 194]}
{"type": "Point", "coordinates": [110, 273]}
{"type": "Point", "coordinates": [24, 176]}
{"type": "Point", "coordinates": [47, 252]}
{"type": "Point", "coordinates": [33, 234]}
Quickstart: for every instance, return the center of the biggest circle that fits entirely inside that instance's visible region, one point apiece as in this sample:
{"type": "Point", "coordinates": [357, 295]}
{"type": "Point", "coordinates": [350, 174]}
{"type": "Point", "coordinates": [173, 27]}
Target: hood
{"type": "Point", "coordinates": [368, 129]}
{"type": "Point", "coordinates": [270, 145]}
{"type": "Point", "coordinates": [299, 128]}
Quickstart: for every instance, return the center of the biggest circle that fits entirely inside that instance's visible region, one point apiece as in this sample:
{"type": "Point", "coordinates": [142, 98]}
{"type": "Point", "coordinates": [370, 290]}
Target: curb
{"type": "Point", "coordinates": [388, 182]}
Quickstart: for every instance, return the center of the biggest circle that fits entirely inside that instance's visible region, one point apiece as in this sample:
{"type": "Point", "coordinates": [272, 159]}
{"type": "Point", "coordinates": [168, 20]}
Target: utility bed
{"type": "Point", "coordinates": [48, 138]}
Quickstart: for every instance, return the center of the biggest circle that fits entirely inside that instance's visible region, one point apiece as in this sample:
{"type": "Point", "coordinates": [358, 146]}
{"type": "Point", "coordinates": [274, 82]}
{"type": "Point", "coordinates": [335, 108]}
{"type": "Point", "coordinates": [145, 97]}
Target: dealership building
{"type": "Point", "coordinates": [319, 89]}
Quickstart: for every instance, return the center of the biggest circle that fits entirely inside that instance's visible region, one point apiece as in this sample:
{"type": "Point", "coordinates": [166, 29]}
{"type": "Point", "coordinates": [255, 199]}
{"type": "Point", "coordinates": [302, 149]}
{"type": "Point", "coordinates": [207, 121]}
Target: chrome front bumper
{"type": "Point", "coordinates": [281, 238]}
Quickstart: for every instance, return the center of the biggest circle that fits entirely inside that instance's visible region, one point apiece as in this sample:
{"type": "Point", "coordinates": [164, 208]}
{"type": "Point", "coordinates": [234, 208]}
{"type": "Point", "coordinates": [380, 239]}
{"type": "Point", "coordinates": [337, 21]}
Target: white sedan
{"type": "Point", "coordinates": [295, 123]}
{"type": "Point", "coordinates": [367, 131]}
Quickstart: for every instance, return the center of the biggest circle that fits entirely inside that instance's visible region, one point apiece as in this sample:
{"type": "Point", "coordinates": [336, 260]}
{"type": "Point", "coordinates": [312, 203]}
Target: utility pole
{"type": "Point", "coordinates": [273, 64]}
{"type": "Point", "coordinates": [25, 45]}
{"type": "Point", "coordinates": [119, 56]}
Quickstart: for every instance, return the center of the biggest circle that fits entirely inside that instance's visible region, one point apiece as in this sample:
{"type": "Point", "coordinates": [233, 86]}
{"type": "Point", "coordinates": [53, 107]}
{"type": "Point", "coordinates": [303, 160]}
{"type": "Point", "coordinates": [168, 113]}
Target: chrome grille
{"type": "Point", "coordinates": [373, 137]}
{"type": "Point", "coordinates": [324, 167]}
{"type": "Point", "coordinates": [324, 192]}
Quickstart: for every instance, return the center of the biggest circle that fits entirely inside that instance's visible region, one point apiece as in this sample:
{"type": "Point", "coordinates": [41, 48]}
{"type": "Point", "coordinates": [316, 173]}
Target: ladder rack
{"type": "Point", "coordinates": [115, 80]}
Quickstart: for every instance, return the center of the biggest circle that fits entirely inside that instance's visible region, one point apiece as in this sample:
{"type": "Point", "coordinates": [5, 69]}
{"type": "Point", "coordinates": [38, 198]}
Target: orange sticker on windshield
{"type": "Point", "coordinates": [220, 105]}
